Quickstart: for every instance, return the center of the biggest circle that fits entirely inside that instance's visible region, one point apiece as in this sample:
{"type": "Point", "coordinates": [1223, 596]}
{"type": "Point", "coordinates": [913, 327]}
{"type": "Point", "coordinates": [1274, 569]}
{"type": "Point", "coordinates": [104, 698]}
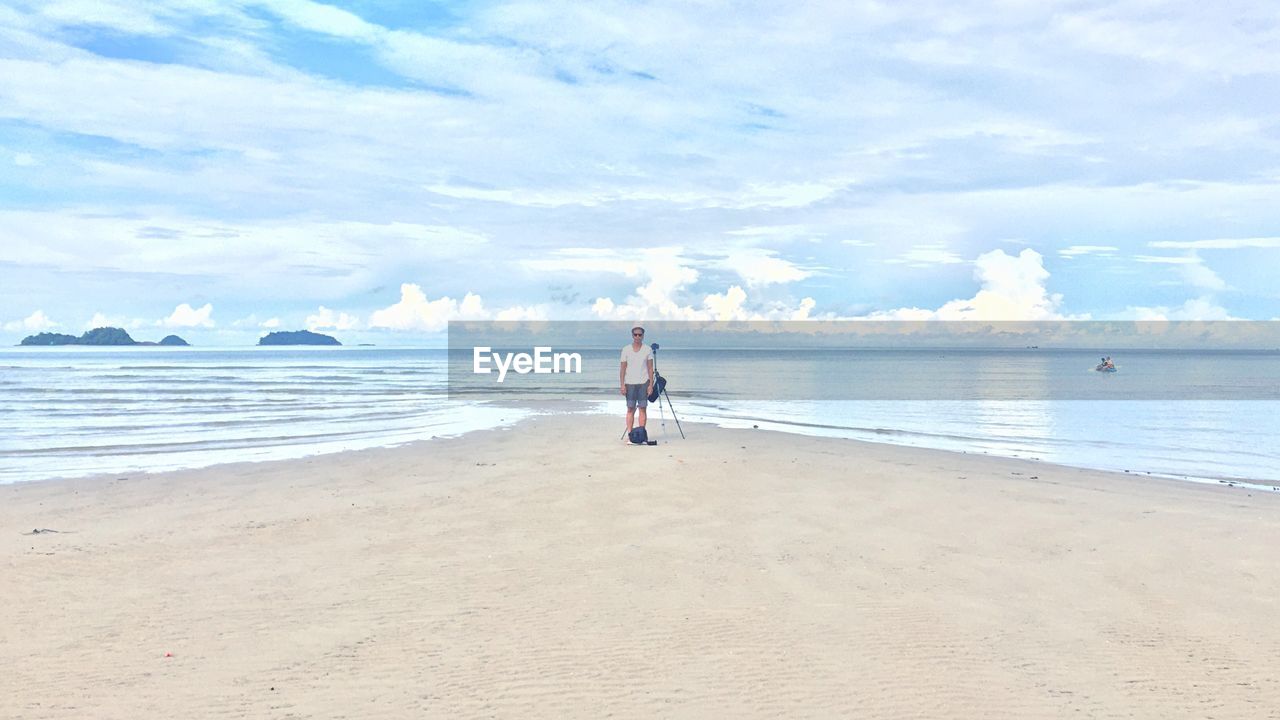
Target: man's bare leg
{"type": "Point", "coordinates": [644, 417]}
{"type": "Point", "coordinates": [631, 419]}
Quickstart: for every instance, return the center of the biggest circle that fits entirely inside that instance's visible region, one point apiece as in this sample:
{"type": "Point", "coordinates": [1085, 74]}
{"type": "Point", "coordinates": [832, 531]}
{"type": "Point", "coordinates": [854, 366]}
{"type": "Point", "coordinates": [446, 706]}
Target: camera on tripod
{"type": "Point", "coordinates": [659, 394]}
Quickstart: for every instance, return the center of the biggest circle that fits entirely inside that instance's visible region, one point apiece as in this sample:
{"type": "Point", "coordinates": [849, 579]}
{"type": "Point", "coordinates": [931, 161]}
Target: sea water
{"type": "Point", "coordinates": [67, 412]}
{"type": "Point", "coordinates": [77, 411]}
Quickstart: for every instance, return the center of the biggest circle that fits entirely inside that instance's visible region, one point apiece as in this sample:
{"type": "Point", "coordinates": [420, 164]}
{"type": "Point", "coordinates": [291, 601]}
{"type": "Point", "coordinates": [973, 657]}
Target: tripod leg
{"type": "Point", "coordinates": [662, 414]}
{"type": "Point", "coordinates": [673, 414]}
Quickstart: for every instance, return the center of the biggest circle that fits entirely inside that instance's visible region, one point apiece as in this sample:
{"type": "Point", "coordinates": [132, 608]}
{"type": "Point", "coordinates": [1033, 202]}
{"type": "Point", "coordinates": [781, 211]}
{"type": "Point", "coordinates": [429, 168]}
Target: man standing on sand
{"type": "Point", "coordinates": [636, 378]}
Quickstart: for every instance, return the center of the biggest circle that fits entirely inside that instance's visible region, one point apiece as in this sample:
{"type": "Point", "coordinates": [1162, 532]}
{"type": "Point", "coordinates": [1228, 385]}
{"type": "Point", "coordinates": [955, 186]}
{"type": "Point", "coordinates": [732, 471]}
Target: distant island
{"type": "Point", "coordinates": [298, 337]}
{"type": "Point", "coordinates": [102, 336]}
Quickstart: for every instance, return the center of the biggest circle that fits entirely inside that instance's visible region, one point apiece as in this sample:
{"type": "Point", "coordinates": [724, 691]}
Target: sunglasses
{"type": "Point", "coordinates": [637, 334]}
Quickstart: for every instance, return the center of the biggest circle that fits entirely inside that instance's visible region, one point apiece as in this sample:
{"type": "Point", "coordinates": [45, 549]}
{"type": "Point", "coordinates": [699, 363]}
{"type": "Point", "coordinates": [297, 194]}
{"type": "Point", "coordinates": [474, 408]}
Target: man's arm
{"type": "Point", "coordinates": [649, 363]}
{"type": "Point", "coordinates": [622, 377]}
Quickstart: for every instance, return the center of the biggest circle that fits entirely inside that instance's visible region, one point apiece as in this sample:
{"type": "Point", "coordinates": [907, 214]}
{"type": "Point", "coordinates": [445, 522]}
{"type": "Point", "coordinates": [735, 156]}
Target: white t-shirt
{"type": "Point", "coordinates": [637, 364]}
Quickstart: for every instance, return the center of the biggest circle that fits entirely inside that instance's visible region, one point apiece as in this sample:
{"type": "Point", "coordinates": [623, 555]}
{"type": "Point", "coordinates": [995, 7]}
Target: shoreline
{"type": "Point", "coordinates": [1025, 467]}
{"type": "Point", "coordinates": [585, 408]}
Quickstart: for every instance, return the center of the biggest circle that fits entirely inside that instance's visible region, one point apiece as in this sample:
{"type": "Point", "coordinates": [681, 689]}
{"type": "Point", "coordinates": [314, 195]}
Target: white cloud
{"type": "Point", "coordinates": [326, 319]}
{"type": "Point", "coordinates": [1077, 250]}
{"type": "Point", "coordinates": [585, 260]}
{"type": "Point", "coordinates": [604, 307]}
{"type": "Point", "coordinates": [415, 312]}
{"type": "Point", "coordinates": [762, 267]}
{"type": "Point", "coordinates": [100, 319]}
{"type": "Point", "coordinates": [749, 196]}
{"type": "Point", "coordinates": [35, 322]}
{"type": "Point", "coordinates": [1168, 259]}
{"type": "Point", "coordinates": [1193, 38]}
{"type": "Point", "coordinates": [670, 277]}
{"type": "Point", "coordinates": [317, 256]}
{"type": "Point", "coordinates": [326, 19]}
{"type": "Point", "coordinates": [252, 321]}
{"type": "Point", "coordinates": [726, 306]}
{"type": "Point", "coordinates": [731, 305]}
{"type": "Point", "coordinates": [1012, 288]}
{"type": "Point", "coordinates": [125, 15]}
{"type": "Point", "coordinates": [1201, 308]}
{"type": "Point", "coordinates": [770, 129]}
{"type": "Point", "coordinates": [186, 316]}
{"type": "Point", "coordinates": [1202, 276]}
{"type": "Point", "coordinates": [926, 255]}
{"type": "Point", "coordinates": [1217, 244]}
{"type": "Point", "coordinates": [24, 159]}
{"type": "Point", "coordinates": [803, 311]}
{"type": "Point", "coordinates": [776, 232]}
{"type": "Point", "coordinates": [521, 313]}
{"type": "Point", "coordinates": [1192, 268]}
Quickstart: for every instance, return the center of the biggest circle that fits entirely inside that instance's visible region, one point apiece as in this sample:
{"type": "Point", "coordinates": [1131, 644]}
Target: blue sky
{"type": "Point", "coordinates": [220, 169]}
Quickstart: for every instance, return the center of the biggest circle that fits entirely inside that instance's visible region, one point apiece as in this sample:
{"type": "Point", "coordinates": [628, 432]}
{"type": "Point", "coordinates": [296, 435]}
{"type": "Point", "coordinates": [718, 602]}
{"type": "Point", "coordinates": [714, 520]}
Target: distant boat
{"type": "Point", "coordinates": [1102, 367]}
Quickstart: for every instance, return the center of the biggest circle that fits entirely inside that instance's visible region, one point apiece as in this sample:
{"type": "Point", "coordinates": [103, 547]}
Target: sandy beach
{"type": "Point", "coordinates": [548, 571]}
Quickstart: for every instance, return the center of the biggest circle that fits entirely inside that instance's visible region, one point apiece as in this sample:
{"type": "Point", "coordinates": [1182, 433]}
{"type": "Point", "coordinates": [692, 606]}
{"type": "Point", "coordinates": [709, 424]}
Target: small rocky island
{"type": "Point", "coordinates": [297, 337]}
{"type": "Point", "coordinates": [103, 336]}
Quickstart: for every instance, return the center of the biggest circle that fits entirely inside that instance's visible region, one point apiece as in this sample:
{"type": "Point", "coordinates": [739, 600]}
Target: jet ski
{"type": "Point", "coordinates": [1103, 367]}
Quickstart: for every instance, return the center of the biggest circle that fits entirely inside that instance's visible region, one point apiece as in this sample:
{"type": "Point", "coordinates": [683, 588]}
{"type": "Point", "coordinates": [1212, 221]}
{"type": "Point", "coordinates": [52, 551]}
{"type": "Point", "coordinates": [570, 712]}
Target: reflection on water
{"type": "Point", "coordinates": [1230, 440]}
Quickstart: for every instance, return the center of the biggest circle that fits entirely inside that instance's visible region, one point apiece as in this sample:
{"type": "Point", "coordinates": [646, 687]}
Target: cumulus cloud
{"type": "Point", "coordinates": [101, 319]}
{"type": "Point", "coordinates": [734, 304]}
{"type": "Point", "coordinates": [186, 316]}
{"type": "Point", "coordinates": [415, 311]}
{"type": "Point", "coordinates": [668, 276]}
{"type": "Point", "coordinates": [1202, 308]}
{"type": "Point", "coordinates": [727, 305]}
{"type": "Point", "coordinates": [1011, 288]}
{"type": "Point", "coordinates": [252, 321]}
{"type": "Point", "coordinates": [35, 322]}
{"type": "Point", "coordinates": [1202, 276]}
{"type": "Point", "coordinates": [326, 319]}
{"type": "Point", "coordinates": [1191, 267]}
{"type": "Point", "coordinates": [665, 294]}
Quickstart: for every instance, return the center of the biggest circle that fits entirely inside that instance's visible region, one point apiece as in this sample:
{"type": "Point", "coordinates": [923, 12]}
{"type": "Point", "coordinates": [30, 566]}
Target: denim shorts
{"type": "Point", "coordinates": [638, 395]}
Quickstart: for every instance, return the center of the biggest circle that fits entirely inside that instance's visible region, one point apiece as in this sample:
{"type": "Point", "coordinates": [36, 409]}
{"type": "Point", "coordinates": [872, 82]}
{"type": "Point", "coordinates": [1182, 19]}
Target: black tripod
{"type": "Point", "coordinates": [660, 383]}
